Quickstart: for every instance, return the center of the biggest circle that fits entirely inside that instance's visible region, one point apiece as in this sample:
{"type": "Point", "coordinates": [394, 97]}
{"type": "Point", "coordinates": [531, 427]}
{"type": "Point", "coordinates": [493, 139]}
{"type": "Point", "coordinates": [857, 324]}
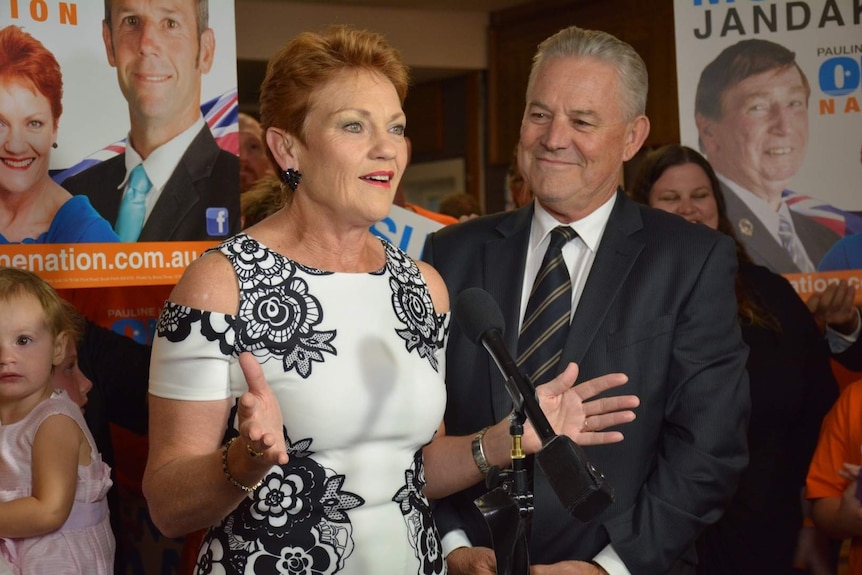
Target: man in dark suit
{"type": "Point", "coordinates": [751, 111]}
{"type": "Point", "coordinates": [160, 50]}
{"type": "Point", "coordinates": [652, 297]}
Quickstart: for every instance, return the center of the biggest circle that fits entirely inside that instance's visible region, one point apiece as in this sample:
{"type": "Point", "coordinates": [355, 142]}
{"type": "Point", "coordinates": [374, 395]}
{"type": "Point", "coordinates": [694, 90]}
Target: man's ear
{"type": "Point", "coordinates": [705, 134]}
{"type": "Point", "coordinates": [283, 148]}
{"type": "Point", "coordinates": [207, 51]}
{"type": "Point", "coordinates": [109, 44]}
{"type": "Point", "coordinates": [637, 134]}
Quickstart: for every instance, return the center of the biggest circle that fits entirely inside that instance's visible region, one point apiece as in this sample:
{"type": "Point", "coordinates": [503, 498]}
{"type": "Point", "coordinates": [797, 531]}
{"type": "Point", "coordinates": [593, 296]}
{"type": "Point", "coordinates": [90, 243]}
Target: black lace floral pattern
{"type": "Point", "coordinates": [298, 520]}
{"type": "Point", "coordinates": [295, 522]}
{"type": "Point", "coordinates": [413, 307]}
{"type": "Point", "coordinates": [416, 510]}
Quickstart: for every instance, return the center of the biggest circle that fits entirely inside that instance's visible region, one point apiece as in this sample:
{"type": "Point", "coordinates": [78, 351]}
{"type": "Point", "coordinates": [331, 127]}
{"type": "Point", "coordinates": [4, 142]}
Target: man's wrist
{"type": "Point", "coordinates": [598, 567]}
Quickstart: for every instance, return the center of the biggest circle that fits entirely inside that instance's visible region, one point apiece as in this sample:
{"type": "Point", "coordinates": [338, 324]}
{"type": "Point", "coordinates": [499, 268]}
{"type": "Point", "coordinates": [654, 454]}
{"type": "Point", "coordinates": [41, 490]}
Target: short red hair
{"type": "Point", "coordinates": [22, 57]}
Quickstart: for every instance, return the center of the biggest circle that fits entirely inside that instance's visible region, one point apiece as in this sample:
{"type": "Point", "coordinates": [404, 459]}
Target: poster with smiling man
{"type": "Point", "coordinates": [770, 92]}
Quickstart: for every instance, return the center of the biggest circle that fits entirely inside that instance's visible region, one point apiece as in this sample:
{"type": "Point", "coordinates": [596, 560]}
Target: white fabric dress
{"type": "Point", "coordinates": [356, 361]}
{"type": "Point", "coordinates": [84, 545]}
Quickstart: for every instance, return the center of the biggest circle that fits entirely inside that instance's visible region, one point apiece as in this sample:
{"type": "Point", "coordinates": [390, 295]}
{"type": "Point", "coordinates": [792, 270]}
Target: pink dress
{"type": "Point", "coordinates": [85, 543]}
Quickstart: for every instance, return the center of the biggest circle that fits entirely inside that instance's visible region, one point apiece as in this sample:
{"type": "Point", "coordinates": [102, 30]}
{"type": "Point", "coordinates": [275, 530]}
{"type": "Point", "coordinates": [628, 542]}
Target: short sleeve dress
{"type": "Point", "coordinates": [356, 361]}
{"type": "Point", "coordinates": [85, 543]}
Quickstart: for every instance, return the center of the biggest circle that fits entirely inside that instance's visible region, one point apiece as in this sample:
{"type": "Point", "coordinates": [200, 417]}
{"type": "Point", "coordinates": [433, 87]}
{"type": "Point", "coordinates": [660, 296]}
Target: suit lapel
{"type": "Point", "coordinates": [617, 253]}
{"type": "Point", "coordinates": [503, 271]}
{"type": "Point", "coordinates": [763, 248]}
{"type": "Point", "coordinates": [180, 194]}
{"type": "Point", "coordinates": [108, 204]}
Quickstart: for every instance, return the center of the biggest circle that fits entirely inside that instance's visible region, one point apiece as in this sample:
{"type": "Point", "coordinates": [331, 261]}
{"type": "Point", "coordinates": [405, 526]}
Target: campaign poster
{"type": "Point", "coordinates": [786, 141]}
{"type": "Point", "coordinates": [104, 105]}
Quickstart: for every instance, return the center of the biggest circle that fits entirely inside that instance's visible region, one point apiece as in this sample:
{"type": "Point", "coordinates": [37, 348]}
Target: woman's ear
{"type": "Point", "coordinates": [281, 144]}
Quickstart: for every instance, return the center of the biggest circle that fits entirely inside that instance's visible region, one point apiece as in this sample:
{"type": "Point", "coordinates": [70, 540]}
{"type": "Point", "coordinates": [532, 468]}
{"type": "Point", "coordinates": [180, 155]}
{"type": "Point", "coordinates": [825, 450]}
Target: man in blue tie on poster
{"type": "Point", "coordinates": [173, 183]}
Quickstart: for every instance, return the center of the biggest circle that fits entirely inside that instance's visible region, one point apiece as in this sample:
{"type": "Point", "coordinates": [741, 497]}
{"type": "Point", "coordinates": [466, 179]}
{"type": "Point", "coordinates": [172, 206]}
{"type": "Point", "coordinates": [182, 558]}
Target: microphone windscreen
{"type": "Point", "coordinates": [477, 312]}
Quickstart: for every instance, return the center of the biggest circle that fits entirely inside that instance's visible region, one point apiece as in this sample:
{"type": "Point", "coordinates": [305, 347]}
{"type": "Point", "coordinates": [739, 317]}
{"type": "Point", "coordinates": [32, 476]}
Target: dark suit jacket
{"type": "Point", "coordinates": [206, 176]}
{"type": "Point", "coordinates": [792, 388]}
{"type": "Point", "coordinates": [659, 305]}
{"type": "Point", "coordinates": [763, 247]}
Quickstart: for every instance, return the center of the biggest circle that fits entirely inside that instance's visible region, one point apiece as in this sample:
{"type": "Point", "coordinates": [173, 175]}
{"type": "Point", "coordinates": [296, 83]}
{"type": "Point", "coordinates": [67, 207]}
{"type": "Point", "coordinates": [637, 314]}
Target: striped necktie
{"type": "Point", "coordinates": [546, 319]}
{"type": "Point", "coordinates": [133, 208]}
{"type": "Point", "coordinates": [792, 245]}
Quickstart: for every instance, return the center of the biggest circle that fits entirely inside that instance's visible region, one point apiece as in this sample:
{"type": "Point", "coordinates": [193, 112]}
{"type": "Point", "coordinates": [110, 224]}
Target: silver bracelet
{"type": "Point", "coordinates": [479, 452]}
{"type": "Point", "coordinates": [230, 477]}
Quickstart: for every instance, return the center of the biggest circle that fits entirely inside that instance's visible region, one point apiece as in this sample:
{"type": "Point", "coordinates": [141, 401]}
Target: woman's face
{"type": "Point", "coordinates": [685, 190]}
{"type": "Point", "coordinates": [26, 134]}
{"type": "Point", "coordinates": [355, 151]}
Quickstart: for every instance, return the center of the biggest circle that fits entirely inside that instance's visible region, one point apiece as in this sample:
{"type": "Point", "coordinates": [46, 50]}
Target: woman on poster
{"type": "Point", "coordinates": [33, 208]}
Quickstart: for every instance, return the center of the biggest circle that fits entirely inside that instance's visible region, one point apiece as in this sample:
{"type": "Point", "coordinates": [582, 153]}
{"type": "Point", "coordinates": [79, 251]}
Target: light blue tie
{"type": "Point", "coordinates": [134, 206]}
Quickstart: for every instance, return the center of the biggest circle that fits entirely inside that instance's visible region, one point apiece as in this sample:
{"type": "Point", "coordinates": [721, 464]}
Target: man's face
{"type": "Point", "coordinates": [575, 136]}
{"type": "Point", "coordinates": [760, 140]}
{"type": "Point", "coordinates": [159, 58]}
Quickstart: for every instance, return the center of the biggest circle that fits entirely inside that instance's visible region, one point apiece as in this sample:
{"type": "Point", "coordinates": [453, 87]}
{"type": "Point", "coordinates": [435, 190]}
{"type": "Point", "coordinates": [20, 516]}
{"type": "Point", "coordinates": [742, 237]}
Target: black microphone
{"type": "Point", "coordinates": [482, 322]}
{"type": "Point", "coordinates": [579, 486]}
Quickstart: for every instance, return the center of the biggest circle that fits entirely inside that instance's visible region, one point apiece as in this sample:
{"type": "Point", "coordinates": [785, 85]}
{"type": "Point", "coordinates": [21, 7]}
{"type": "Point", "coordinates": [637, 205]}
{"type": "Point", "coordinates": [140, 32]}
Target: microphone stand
{"type": "Point", "coordinates": [508, 506]}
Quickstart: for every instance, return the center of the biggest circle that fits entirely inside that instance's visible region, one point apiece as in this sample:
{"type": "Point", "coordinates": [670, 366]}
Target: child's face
{"type": "Point", "coordinates": [28, 350]}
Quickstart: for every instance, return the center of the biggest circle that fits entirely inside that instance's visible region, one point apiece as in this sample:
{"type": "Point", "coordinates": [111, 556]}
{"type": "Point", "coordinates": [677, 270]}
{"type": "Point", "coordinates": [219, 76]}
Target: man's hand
{"type": "Point", "coordinates": [571, 410]}
{"type": "Point", "coordinates": [834, 307]}
{"type": "Point", "coordinates": [471, 561]}
{"type": "Point", "coordinates": [568, 568]}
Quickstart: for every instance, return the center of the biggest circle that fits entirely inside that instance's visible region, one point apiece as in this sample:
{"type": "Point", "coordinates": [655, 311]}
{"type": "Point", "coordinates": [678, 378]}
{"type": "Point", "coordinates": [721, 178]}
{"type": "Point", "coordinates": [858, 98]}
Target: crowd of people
{"type": "Point", "coordinates": [315, 400]}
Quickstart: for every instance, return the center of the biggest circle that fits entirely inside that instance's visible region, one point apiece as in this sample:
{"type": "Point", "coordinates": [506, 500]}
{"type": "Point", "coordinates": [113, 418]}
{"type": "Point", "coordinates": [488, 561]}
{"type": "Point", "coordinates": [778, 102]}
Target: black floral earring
{"type": "Point", "coordinates": [292, 178]}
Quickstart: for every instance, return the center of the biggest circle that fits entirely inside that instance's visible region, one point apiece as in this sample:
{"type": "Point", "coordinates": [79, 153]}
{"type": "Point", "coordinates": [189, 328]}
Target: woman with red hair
{"type": "Point", "coordinates": [33, 208]}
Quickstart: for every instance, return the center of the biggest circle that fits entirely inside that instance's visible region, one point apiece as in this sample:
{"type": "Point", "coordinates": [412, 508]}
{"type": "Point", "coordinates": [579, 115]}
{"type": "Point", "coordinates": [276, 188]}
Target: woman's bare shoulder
{"type": "Point", "coordinates": [209, 283]}
{"type": "Point", "coordinates": [436, 285]}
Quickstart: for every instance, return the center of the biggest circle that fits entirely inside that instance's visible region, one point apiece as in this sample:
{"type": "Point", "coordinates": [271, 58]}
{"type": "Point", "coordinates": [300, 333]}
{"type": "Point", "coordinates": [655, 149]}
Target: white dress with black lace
{"type": "Point", "coordinates": [356, 361]}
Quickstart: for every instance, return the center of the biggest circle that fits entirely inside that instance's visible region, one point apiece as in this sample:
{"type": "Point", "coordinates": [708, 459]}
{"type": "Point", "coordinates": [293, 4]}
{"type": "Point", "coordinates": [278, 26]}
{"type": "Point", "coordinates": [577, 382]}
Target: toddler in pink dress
{"type": "Point", "coordinates": [53, 482]}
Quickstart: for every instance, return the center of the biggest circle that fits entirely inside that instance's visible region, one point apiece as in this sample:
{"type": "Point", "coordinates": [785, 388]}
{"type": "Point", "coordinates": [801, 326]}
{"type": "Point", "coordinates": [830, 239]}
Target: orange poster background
{"type": "Point", "coordinates": [67, 266]}
{"type": "Point", "coordinates": [807, 284]}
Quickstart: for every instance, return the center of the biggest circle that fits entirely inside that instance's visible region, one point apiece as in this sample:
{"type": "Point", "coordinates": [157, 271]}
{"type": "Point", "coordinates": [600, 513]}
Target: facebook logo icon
{"type": "Point", "coordinates": [217, 221]}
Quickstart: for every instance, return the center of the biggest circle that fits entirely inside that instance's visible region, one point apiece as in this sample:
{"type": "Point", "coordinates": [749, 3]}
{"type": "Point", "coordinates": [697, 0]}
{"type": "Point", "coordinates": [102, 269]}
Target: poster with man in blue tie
{"type": "Point", "coordinates": [146, 149]}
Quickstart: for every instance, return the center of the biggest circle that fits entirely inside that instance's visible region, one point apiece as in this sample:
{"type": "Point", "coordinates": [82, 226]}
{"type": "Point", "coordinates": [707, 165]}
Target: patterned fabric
{"type": "Point", "coordinates": [791, 243]}
{"type": "Point", "coordinates": [356, 362]}
{"type": "Point", "coordinates": [549, 309]}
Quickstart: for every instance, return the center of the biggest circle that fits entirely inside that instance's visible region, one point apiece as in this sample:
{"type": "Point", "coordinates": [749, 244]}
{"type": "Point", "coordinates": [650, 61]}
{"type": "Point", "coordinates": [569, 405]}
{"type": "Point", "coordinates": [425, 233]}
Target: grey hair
{"type": "Point", "coordinates": [630, 67]}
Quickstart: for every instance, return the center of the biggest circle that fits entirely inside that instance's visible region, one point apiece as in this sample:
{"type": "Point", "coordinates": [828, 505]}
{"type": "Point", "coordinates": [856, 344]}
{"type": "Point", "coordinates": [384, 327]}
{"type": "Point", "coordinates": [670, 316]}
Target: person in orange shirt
{"type": "Point", "coordinates": [833, 476]}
